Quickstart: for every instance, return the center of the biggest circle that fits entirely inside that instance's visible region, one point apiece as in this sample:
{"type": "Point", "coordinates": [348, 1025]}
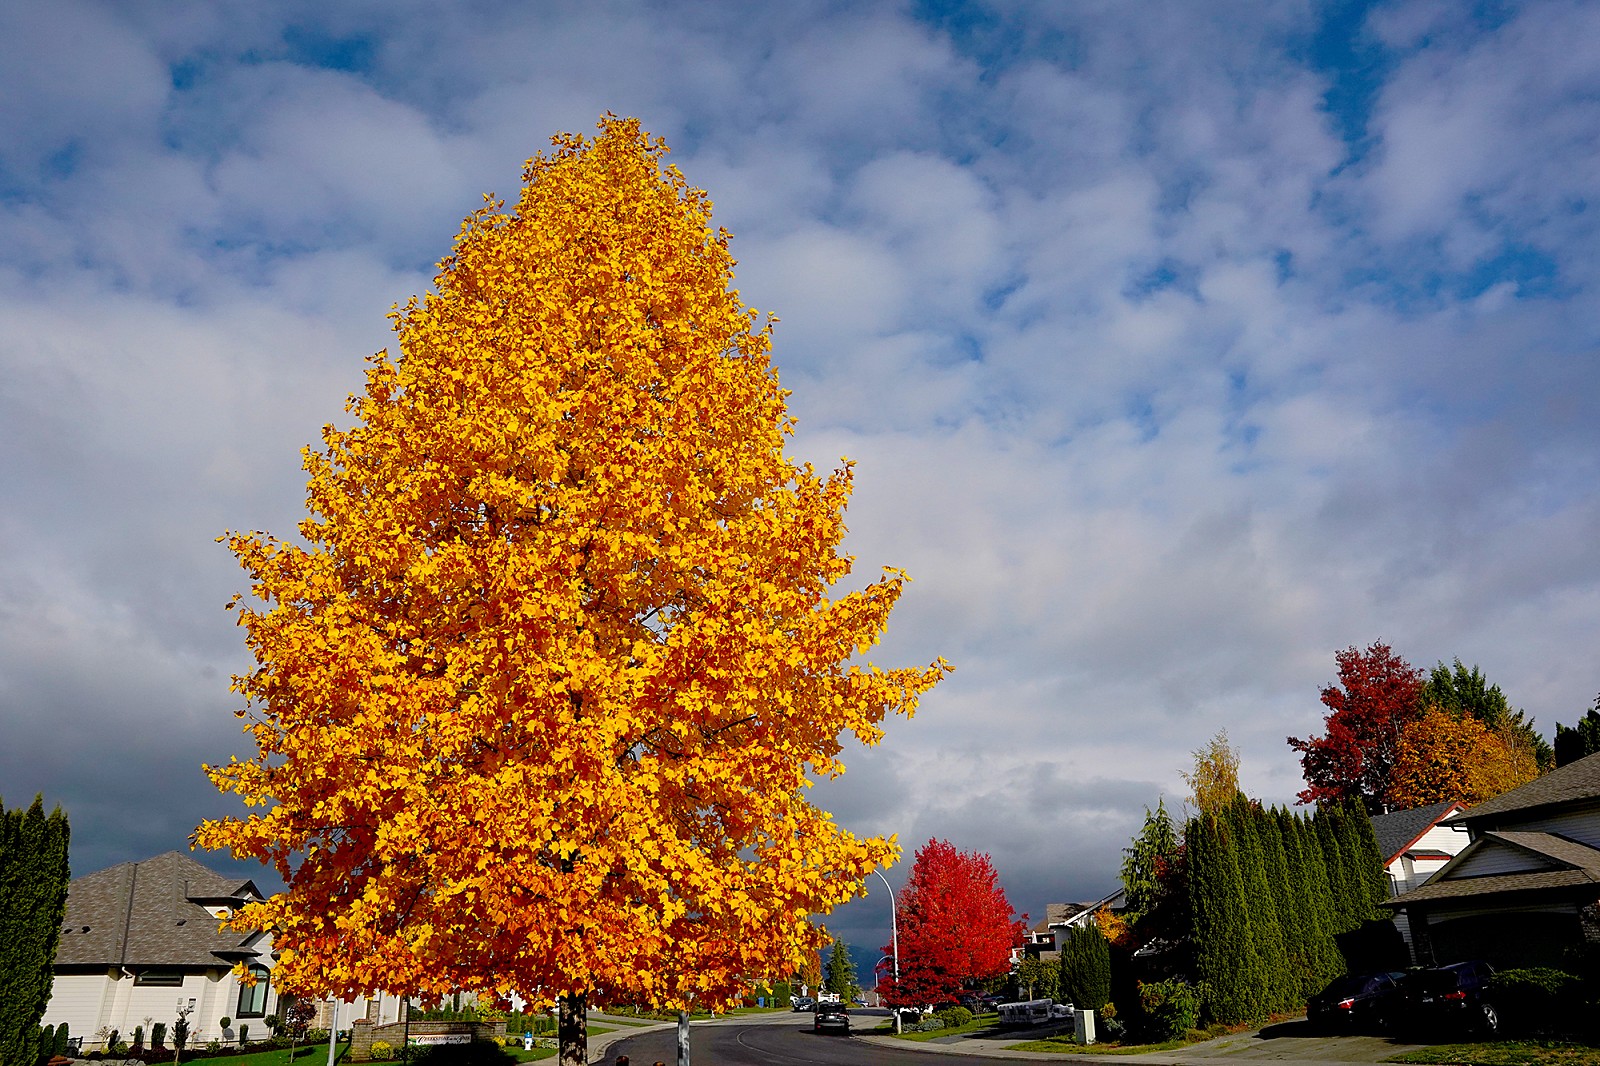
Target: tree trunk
{"type": "Point", "coordinates": [683, 1038]}
{"type": "Point", "coordinates": [572, 1030]}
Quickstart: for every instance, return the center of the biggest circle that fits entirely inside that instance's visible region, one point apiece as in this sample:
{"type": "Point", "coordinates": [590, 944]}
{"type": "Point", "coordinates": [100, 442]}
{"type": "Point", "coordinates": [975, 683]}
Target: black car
{"type": "Point", "coordinates": [802, 1003]}
{"type": "Point", "coordinates": [1453, 999]}
{"type": "Point", "coordinates": [1364, 1001]}
{"type": "Point", "coordinates": [979, 1002]}
{"type": "Point", "coordinates": [834, 1016]}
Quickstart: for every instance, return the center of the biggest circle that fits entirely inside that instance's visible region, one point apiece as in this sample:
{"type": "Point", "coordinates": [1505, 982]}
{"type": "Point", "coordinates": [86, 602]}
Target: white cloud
{"type": "Point", "coordinates": [1160, 391]}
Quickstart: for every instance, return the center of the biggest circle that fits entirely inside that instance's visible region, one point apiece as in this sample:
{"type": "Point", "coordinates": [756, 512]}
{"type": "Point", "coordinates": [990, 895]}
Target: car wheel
{"type": "Point", "coordinates": [1491, 1019]}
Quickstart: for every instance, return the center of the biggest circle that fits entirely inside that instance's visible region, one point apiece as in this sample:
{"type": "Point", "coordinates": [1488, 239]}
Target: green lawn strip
{"type": "Point", "coordinates": [1504, 1053]}
{"type": "Point", "coordinates": [933, 1034]}
{"type": "Point", "coordinates": [1061, 1045]}
{"type": "Point", "coordinates": [305, 1054]}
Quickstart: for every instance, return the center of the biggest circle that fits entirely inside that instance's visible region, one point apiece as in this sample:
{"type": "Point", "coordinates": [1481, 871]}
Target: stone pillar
{"type": "Point", "coordinates": [361, 1040]}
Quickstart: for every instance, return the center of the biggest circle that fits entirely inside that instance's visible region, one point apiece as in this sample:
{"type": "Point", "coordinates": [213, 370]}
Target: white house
{"type": "Point", "coordinates": [1526, 890]}
{"type": "Point", "coordinates": [1415, 845]}
{"type": "Point", "coordinates": [141, 941]}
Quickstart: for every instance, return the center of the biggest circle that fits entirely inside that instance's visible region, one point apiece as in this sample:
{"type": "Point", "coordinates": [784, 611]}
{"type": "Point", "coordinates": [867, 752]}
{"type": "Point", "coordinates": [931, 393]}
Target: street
{"type": "Point", "coordinates": [772, 1040]}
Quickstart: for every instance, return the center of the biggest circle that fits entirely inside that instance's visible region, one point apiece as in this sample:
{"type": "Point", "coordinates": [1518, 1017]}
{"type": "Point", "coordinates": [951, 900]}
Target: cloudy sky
{"type": "Point", "coordinates": [1179, 346]}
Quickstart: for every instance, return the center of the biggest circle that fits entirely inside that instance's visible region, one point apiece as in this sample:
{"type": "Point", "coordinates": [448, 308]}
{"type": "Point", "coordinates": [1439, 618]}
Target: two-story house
{"type": "Point", "coordinates": [1526, 889]}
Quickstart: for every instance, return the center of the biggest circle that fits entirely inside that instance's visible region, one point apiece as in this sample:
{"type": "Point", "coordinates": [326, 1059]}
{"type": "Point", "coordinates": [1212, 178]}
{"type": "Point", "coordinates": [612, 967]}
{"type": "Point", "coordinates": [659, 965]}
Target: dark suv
{"type": "Point", "coordinates": [833, 1016]}
{"type": "Point", "coordinates": [1452, 998]}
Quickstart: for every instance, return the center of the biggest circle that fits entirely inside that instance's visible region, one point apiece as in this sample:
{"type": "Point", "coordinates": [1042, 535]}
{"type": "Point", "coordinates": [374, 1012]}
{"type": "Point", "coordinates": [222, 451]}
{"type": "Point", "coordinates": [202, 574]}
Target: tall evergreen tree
{"type": "Point", "coordinates": [1319, 961]}
{"type": "Point", "coordinates": [1280, 887]}
{"type": "Point", "coordinates": [1086, 968]}
{"type": "Point", "coordinates": [1265, 932]}
{"type": "Point", "coordinates": [841, 970]}
{"type": "Point", "coordinates": [1344, 911]}
{"type": "Point", "coordinates": [1225, 957]}
{"type": "Point", "coordinates": [1576, 741]}
{"type": "Point", "coordinates": [1368, 860]}
{"type": "Point", "coordinates": [33, 902]}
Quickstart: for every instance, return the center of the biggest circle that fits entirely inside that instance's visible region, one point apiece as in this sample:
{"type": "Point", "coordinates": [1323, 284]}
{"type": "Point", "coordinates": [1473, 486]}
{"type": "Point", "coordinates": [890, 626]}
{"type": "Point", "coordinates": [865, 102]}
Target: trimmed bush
{"type": "Point", "coordinates": [382, 1050]}
{"type": "Point", "coordinates": [1171, 1008]}
{"type": "Point", "coordinates": [1538, 1000]}
{"type": "Point", "coordinates": [953, 1017]}
{"type": "Point", "coordinates": [158, 1035]}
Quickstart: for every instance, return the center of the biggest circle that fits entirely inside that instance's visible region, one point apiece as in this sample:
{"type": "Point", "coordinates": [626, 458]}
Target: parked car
{"type": "Point", "coordinates": [834, 1016]}
{"type": "Point", "coordinates": [979, 1002]}
{"type": "Point", "coordinates": [802, 1003]}
{"type": "Point", "coordinates": [1453, 999]}
{"type": "Point", "coordinates": [1366, 1001]}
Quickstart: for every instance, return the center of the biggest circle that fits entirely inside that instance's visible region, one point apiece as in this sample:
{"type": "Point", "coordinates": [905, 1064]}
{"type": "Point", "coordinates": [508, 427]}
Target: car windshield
{"type": "Point", "coordinates": [1346, 986]}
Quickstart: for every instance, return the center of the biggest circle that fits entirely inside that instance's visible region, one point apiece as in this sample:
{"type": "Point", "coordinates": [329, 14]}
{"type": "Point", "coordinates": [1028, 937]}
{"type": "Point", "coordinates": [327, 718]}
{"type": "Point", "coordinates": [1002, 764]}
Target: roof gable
{"type": "Point", "coordinates": [153, 913]}
{"type": "Point", "coordinates": [1398, 830]}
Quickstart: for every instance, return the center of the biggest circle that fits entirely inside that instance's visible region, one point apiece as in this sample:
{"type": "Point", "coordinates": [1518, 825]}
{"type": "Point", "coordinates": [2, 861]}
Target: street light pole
{"type": "Point", "coordinates": [894, 935]}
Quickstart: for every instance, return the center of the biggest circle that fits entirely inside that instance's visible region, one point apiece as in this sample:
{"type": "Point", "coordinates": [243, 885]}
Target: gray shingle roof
{"type": "Point", "coordinates": [1398, 830]}
{"type": "Point", "coordinates": [147, 914]}
{"type": "Point", "coordinates": [1576, 865]}
{"type": "Point", "coordinates": [1574, 782]}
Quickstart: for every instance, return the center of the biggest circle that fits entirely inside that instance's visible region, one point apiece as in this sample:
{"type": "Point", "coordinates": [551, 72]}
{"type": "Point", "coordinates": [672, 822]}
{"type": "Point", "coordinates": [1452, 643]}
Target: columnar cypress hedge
{"type": "Point", "coordinates": [1086, 968]}
{"type": "Point", "coordinates": [1266, 936]}
{"type": "Point", "coordinates": [1226, 960]}
{"type": "Point", "coordinates": [1321, 962]}
{"type": "Point", "coordinates": [33, 902]}
{"type": "Point", "coordinates": [1368, 859]}
{"type": "Point", "coordinates": [1345, 911]}
{"type": "Point", "coordinates": [1280, 877]}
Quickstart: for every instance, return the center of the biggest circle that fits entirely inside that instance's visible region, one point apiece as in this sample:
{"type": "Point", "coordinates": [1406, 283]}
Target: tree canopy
{"type": "Point", "coordinates": [1462, 691]}
{"type": "Point", "coordinates": [540, 688]}
{"type": "Point", "coordinates": [1370, 706]}
{"type": "Point", "coordinates": [1581, 739]}
{"type": "Point", "coordinates": [956, 926]}
{"type": "Point", "coordinates": [1446, 756]}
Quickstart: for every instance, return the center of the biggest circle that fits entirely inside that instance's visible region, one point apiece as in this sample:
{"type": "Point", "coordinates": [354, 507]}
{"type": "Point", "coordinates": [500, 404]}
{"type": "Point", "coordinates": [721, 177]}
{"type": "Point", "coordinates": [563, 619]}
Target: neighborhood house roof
{"type": "Point", "coordinates": [1397, 831]}
{"type": "Point", "coordinates": [1575, 782]}
{"type": "Point", "coordinates": [153, 914]}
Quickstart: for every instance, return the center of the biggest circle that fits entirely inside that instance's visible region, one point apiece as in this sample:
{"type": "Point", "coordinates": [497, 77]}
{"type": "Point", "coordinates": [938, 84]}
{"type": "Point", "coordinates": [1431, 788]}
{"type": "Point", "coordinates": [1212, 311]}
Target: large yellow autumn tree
{"type": "Point", "coordinates": [1447, 755]}
{"type": "Point", "coordinates": [540, 689]}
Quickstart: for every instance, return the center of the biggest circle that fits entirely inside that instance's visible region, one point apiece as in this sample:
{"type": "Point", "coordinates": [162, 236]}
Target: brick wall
{"type": "Point", "coordinates": [364, 1033]}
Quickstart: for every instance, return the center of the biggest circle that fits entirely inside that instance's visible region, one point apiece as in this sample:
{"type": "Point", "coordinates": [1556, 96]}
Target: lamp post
{"type": "Point", "coordinates": [894, 935]}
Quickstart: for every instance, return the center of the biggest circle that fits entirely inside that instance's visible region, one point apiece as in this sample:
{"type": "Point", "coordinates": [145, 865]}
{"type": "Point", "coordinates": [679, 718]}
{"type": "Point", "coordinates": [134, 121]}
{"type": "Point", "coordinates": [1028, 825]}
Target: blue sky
{"type": "Point", "coordinates": [1179, 346]}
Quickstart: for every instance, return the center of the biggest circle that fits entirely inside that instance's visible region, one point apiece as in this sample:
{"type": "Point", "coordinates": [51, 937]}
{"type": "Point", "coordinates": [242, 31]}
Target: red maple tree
{"type": "Point", "coordinates": [1375, 699]}
{"type": "Point", "coordinates": [956, 927]}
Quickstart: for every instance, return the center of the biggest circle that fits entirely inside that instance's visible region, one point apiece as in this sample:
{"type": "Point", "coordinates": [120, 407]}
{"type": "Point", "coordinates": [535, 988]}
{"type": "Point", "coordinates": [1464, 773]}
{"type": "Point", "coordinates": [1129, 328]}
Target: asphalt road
{"type": "Point", "coordinates": [771, 1040]}
{"type": "Point", "coordinates": [787, 1040]}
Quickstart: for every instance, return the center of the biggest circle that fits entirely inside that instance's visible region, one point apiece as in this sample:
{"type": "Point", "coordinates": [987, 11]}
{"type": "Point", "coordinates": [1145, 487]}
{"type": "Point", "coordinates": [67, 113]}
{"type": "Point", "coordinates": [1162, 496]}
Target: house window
{"type": "Point", "coordinates": [160, 980]}
{"type": "Point", "coordinates": [253, 998]}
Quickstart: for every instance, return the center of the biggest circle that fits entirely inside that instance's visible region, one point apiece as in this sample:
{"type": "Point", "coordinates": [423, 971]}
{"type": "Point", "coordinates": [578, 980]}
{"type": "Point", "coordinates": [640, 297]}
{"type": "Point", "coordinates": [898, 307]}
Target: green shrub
{"type": "Point", "coordinates": [1537, 1000]}
{"type": "Point", "coordinates": [1171, 1008]}
{"type": "Point", "coordinates": [244, 1034]}
{"type": "Point", "coordinates": [213, 1047]}
{"type": "Point", "coordinates": [158, 1034]}
{"type": "Point", "coordinates": [138, 1036]}
{"type": "Point", "coordinates": [953, 1017]}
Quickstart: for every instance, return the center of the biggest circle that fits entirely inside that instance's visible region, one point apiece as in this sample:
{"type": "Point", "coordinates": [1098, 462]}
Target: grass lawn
{"type": "Point", "coordinates": [1505, 1053]}
{"type": "Point", "coordinates": [304, 1055]}
{"type": "Point", "coordinates": [1063, 1045]}
{"type": "Point", "coordinates": [975, 1026]}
